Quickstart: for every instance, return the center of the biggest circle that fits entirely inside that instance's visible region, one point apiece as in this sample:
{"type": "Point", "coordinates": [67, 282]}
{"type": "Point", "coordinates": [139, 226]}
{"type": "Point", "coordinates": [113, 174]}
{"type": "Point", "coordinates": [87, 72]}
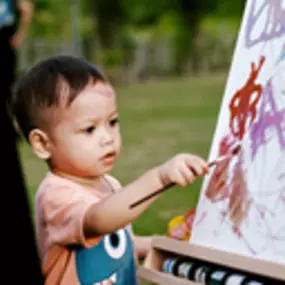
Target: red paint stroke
{"type": "Point", "coordinates": [239, 201]}
{"type": "Point", "coordinates": [242, 106]}
{"type": "Point", "coordinates": [201, 218]}
{"type": "Point", "coordinates": [232, 190]}
{"type": "Point", "coordinates": [221, 188]}
{"type": "Point", "coordinates": [217, 188]}
{"type": "Point", "coordinates": [226, 145]}
{"type": "Point", "coordinates": [190, 217]}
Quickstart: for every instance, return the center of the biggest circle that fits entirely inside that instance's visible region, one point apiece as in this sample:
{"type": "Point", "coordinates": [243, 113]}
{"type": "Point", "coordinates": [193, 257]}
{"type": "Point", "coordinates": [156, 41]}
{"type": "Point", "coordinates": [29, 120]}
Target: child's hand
{"type": "Point", "coordinates": [182, 169]}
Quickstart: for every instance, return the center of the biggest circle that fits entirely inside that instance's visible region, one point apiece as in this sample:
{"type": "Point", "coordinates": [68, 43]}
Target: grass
{"type": "Point", "coordinates": [158, 120]}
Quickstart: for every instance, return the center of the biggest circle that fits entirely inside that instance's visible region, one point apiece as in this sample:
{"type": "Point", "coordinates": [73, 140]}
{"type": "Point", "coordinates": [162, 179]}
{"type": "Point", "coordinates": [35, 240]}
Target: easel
{"type": "Point", "coordinates": [163, 247]}
{"type": "Point", "coordinates": [267, 28]}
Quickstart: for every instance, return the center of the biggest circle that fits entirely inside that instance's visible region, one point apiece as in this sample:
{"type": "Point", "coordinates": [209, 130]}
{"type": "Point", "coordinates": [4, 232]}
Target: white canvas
{"type": "Point", "coordinates": [242, 203]}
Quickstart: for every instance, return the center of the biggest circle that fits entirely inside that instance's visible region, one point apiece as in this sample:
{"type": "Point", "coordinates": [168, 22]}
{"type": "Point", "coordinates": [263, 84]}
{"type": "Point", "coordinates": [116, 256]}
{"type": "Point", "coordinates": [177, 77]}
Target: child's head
{"type": "Point", "coordinates": [67, 110]}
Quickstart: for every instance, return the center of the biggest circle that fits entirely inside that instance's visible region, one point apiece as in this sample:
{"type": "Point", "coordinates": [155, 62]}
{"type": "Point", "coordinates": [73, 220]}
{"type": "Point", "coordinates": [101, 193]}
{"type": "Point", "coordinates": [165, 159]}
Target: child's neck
{"type": "Point", "coordinates": [88, 182]}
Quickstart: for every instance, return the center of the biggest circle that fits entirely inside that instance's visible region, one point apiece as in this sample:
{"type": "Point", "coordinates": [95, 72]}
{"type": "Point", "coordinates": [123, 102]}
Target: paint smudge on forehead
{"type": "Point", "coordinates": [106, 93]}
{"type": "Point", "coordinates": [104, 90]}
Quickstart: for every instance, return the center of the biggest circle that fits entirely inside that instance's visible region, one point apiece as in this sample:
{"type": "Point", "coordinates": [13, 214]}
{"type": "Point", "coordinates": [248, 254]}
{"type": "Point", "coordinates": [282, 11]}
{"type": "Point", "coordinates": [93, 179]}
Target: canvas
{"type": "Point", "coordinates": [241, 208]}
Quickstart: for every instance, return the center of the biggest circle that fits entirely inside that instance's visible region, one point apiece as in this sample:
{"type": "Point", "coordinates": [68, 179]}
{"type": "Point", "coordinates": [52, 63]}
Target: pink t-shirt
{"type": "Point", "coordinates": [60, 208]}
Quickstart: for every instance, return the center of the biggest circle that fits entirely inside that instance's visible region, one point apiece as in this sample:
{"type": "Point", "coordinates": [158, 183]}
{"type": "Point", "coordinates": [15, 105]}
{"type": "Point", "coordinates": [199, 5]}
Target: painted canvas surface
{"type": "Point", "coordinates": [242, 203]}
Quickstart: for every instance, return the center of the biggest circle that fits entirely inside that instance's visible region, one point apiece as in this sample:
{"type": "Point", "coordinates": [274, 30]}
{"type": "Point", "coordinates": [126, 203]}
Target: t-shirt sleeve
{"type": "Point", "coordinates": [64, 210]}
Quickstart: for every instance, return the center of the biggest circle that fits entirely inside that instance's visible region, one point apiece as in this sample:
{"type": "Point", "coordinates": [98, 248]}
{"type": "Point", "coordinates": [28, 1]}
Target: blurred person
{"type": "Point", "coordinates": [67, 110]}
{"type": "Point", "coordinates": [19, 238]}
{"type": "Point", "coordinates": [15, 19]}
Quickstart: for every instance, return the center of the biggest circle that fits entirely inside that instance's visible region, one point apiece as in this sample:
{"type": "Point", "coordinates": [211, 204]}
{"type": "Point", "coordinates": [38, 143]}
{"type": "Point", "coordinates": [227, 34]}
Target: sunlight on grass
{"type": "Point", "coordinates": [158, 120]}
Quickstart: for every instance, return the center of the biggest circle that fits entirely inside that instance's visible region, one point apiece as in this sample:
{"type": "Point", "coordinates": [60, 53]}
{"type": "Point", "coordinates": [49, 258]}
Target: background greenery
{"type": "Point", "coordinates": [135, 40]}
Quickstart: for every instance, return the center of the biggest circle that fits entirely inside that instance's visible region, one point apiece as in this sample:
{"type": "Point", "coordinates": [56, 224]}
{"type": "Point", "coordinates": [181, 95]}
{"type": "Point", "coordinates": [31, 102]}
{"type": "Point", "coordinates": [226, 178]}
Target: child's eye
{"type": "Point", "coordinates": [114, 122]}
{"type": "Point", "coordinates": [89, 130]}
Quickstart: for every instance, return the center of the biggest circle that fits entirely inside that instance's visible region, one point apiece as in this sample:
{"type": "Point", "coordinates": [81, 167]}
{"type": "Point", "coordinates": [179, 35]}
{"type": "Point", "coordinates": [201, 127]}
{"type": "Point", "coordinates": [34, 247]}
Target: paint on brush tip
{"type": "Point", "coordinates": [236, 150]}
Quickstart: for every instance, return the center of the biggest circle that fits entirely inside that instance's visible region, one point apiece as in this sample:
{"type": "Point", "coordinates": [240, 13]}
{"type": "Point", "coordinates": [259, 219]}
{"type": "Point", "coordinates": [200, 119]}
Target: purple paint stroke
{"type": "Point", "coordinates": [270, 117]}
{"type": "Point", "coordinates": [282, 55]}
{"type": "Point", "coordinates": [275, 17]}
{"type": "Point", "coordinates": [281, 176]}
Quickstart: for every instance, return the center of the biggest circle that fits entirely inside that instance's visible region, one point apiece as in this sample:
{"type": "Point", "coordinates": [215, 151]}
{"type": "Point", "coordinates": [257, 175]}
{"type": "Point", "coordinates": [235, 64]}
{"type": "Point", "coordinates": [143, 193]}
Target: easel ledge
{"type": "Point", "coordinates": [163, 247]}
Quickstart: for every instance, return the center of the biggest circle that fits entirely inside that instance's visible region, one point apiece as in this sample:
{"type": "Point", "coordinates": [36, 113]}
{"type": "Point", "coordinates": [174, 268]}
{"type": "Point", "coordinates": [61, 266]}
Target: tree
{"type": "Point", "coordinates": [191, 13]}
{"type": "Point", "coordinates": [107, 17]}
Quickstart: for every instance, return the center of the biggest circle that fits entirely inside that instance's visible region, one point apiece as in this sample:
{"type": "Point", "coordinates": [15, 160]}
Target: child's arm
{"type": "Point", "coordinates": [114, 213]}
{"type": "Point", "coordinates": [142, 244]}
{"type": "Point", "coordinates": [26, 9]}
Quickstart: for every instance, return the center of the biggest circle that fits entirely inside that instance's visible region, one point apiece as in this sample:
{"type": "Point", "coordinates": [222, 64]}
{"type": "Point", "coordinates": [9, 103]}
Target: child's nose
{"type": "Point", "coordinates": [106, 138]}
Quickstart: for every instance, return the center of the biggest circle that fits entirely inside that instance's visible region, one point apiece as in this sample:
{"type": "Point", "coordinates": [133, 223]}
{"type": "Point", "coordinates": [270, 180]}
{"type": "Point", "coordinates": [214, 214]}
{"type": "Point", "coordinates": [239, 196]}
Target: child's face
{"type": "Point", "coordinates": [86, 139]}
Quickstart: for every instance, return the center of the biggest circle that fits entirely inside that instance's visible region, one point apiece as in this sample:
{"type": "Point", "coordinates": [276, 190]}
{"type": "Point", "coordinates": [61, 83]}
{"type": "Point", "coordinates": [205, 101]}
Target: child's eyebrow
{"type": "Point", "coordinates": [114, 113]}
{"type": "Point", "coordinates": [96, 119]}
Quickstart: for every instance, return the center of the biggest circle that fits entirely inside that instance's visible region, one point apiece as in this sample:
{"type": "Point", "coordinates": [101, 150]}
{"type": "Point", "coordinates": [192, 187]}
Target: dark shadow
{"type": "Point", "coordinates": [19, 254]}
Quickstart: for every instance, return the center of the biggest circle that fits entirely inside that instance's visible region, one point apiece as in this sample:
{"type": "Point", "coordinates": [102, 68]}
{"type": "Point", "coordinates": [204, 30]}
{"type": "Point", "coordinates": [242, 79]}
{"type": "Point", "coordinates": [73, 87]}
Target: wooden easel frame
{"type": "Point", "coordinates": [163, 247]}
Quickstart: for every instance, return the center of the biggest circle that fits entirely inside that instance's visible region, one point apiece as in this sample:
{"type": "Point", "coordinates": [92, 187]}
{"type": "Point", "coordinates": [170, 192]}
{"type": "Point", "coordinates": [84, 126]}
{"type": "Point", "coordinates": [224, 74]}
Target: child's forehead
{"type": "Point", "coordinates": [95, 95]}
{"type": "Point", "coordinates": [100, 88]}
{"type": "Point", "coordinates": [92, 97]}
{"type": "Point", "coordinates": [94, 100]}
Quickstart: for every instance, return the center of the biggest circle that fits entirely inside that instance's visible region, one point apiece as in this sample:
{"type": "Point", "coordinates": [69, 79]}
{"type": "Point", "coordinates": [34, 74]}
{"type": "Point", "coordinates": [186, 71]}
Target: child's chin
{"type": "Point", "coordinates": [104, 170]}
{"type": "Point", "coordinates": [108, 168]}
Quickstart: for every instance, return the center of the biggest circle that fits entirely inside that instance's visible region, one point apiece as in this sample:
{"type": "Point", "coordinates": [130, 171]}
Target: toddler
{"type": "Point", "coordinates": [66, 109]}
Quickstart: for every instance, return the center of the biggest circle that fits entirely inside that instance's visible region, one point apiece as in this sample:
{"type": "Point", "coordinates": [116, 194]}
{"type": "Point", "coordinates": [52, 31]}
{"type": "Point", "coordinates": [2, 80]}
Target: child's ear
{"type": "Point", "coordinates": [40, 143]}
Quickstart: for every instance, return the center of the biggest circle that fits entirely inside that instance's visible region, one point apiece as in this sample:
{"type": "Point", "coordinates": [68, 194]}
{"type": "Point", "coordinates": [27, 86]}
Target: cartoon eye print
{"type": "Point", "coordinates": [114, 252]}
{"type": "Point", "coordinates": [115, 244]}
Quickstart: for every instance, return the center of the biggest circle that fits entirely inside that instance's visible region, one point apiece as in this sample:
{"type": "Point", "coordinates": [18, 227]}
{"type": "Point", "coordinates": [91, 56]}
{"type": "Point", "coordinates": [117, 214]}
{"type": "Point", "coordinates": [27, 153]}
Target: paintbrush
{"type": "Point", "coordinates": [234, 152]}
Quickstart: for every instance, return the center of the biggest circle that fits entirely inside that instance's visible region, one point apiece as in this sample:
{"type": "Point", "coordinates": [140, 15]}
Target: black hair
{"type": "Point", "coordinates": [40, 88]}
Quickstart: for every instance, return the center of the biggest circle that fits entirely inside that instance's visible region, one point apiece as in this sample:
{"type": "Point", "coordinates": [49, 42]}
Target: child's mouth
{"type": "Point", "coordinates": [109, 158]}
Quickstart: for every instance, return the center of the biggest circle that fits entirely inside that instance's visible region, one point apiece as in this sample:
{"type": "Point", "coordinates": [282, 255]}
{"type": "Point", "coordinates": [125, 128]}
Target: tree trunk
{"type": "Point", "coordinates": [107, 16]}
{"type": "Point", "coordinates": [186, 44]}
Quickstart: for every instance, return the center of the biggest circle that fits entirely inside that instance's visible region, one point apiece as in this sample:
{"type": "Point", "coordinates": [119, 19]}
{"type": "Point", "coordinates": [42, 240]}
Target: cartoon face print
{"type": "Point", "coordinates": [111, 261]}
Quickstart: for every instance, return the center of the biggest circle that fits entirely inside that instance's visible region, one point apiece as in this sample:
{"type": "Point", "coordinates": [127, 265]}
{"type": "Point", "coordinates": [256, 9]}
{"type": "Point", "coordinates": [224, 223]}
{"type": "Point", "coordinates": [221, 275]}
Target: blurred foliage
{"type": "Point", "coordinates": [146, 13]}
{"type": "Point", "coordinates": [113, 31]}
{"type": "Point", "coordinates": [52, 17]}
{"type": "Point", "coordinates": [110, 58]}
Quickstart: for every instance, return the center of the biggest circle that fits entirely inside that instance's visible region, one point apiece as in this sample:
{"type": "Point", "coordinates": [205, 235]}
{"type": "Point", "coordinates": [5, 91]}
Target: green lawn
{"type": "Point", "coordinates": [158, 120]}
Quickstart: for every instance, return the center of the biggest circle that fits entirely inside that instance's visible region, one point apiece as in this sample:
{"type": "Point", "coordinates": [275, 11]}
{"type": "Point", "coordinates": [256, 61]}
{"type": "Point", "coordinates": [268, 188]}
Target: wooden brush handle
{"type": "Point", "coordinates": [210, 164]}
{"type": "Point", "coordinates": [133, 205]}
{"type": "Point", "coordinates": [140, 201]}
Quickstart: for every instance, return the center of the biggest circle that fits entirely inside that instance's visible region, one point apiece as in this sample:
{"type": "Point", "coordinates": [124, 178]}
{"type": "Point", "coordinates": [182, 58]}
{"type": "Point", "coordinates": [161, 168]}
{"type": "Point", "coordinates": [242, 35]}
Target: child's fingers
{"type": "Point", "coordinates": [197, 165]}
{"type": "Point", "coordinates": [204, 164]}
{"type": "Point", "coordinates": [188, 174]}
{"type": "Point", "coordinates": [179, 177]}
